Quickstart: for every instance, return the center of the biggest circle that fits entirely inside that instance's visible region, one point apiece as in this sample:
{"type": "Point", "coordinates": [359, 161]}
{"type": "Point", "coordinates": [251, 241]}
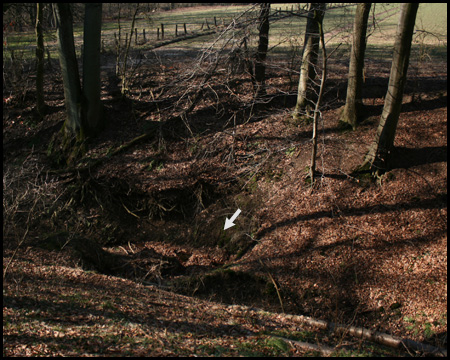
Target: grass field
{"type": "Point", "coordinates": [286, 34]}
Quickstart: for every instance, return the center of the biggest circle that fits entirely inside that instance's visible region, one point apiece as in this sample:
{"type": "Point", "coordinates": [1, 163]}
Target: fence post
{"type": "Point", "coordinates": [162, 31]}
{"type": "Point", "coordinates": [215, 21]}
{"type": "Point", "coordinates": [157, 34]}
{"type": "Point", "coordinates": [143, 35]}
{"type": "Point", "coordinates": [185, 32]}
{"type": "Point", "coordinates": [176, 30]}
{"type": "Point", "coordinates": [135, 36]}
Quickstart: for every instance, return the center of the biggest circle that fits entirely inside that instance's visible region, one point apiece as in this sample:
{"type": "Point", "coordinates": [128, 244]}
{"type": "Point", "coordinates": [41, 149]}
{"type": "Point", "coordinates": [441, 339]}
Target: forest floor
{"type": "Point", "coordinates": [348, 250]}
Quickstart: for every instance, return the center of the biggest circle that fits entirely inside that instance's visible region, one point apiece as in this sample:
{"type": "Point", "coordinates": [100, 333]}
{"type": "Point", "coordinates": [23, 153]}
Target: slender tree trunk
{"type": "Point", "coordinates": [247, 61]}
{"type": "Point", "coordinates": [380, 152]}
{"type": "Point", "coordinates": [319, 99]}
{"type": "Point", "coordinates": [124, 72]}
{"type": "Point", "coordinates": [309, 59]}
{"type": "Point", "coordinates": [91, 68]}
{"type": "Point", "coordinates": [40, 103]}
{"type": "Point", "coordinates": [260, 67]}
{"type": "Point", "coordinates": [69, 69]}
{"type": "Point", "coordinates": [118, 41]}
{"type": "Point", "coordinates": [353, 103]}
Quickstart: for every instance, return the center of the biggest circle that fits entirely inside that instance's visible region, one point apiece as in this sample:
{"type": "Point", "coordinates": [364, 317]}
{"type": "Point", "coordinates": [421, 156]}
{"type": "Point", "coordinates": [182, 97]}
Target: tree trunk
{"type": "Point", "coordinates": [380, 152]}
{"type": "Point", "coordinates": [40, 103]}
{"type": "Point", "coordinates": [69, 67]}
{"type": "Point", "coordinates": [260, 67]}
{"type": "Point", "coordinates": [353, 103]}
{"type": "Point", "coordinates": [124, 70]}
{"type": "Point", "coordinates": [319, 98]}
{"type": "Point", "coordinates": [91, 68]}
{"type": "Point", "coordinates": [84, 110]}
{"type": "Point", "coordinates": [310, 52]}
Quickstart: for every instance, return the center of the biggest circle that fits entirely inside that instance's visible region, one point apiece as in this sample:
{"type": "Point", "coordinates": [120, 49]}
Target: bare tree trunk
{"type": "Point", "coordinates": [353, 103]}
{"type": "Point", "coordinates": [69, 68]}
{"type": "Point", "coordinates": [83, 107]}
{"type": "Point", "coordinates": [319, 99]}
{"type": "Point", "coordinates": [380, 152]}
{"type": "Point", "coordinates": [124, 70]}
{"type": "Point", "coordinates": [40, 103]}
{"type": "Point", "coordinates": [91, 67]}
{"type": "Point", "coordinates": [260, 67]}
{"type": "Point", "coordinates": [309, 59]}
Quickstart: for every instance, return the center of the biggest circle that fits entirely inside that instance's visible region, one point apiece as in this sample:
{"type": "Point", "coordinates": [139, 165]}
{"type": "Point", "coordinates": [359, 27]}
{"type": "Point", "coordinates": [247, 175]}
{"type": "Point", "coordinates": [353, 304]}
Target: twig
{"type": "Point", "coordinates": [125, 250]}
{"type": "Point", "coordinates": [14, 254]}
{"type": "Point", "coordinates": [131, 249]}
{"type": "Point", "coordinates": [129, 212]}
{"type": "Point", "coordinates": [274, 283]}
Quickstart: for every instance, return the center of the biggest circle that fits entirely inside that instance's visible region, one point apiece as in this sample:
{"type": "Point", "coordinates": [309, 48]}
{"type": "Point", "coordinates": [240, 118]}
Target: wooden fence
{"type": "Point", "coordinates": [177, 29]}
{"type": "Point", "coordinates": [181, 29]}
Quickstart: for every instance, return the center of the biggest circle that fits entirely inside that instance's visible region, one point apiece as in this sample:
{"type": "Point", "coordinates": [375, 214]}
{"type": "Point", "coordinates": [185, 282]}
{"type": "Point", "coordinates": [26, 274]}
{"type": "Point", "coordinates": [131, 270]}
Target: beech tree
{"type": "Point", "coordinates": [83, 106]}
{"type": "Point", "coordinates": [260, 68]}
{"type": "Point", "coordinates": [353, 103]}
{"type": "Point", "coordinates": [380, 151]}
{"type": "Point", "coordinates": [319, 99]}
{"type": "Point", "coordinates": [316, 11]}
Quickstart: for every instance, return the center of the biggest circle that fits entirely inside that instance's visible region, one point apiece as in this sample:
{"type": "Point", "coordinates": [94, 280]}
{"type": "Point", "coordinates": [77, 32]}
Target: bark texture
{"type": "Point", "coordinates": [380, 152]}
{"type": "Point", "coordinates": [261, 54]}
{"type": "Point", "coordinates": [353, 103]}
{"type": "Point", "coordinates": [309, 59]}
{"type": "Point", "coordinates": [69, 70]}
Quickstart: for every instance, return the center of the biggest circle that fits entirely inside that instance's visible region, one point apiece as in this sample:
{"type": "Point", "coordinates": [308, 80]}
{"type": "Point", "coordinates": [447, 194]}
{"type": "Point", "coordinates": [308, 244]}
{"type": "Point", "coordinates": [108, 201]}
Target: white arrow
{"type": "Point", "coordinates": [229, 222]}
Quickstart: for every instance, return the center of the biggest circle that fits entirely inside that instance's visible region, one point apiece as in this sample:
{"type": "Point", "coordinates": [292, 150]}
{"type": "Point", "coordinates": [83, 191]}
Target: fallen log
{"type": "Point", "coordinates": [371, 335]}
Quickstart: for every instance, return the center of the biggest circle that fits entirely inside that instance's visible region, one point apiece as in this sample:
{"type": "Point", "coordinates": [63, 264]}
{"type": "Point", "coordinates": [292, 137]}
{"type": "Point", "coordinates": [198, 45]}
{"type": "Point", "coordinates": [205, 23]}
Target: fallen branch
{"type": "Point", "coordinates": [371, 335]}
{"type": "Point", "coordinates": [273, 282]}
